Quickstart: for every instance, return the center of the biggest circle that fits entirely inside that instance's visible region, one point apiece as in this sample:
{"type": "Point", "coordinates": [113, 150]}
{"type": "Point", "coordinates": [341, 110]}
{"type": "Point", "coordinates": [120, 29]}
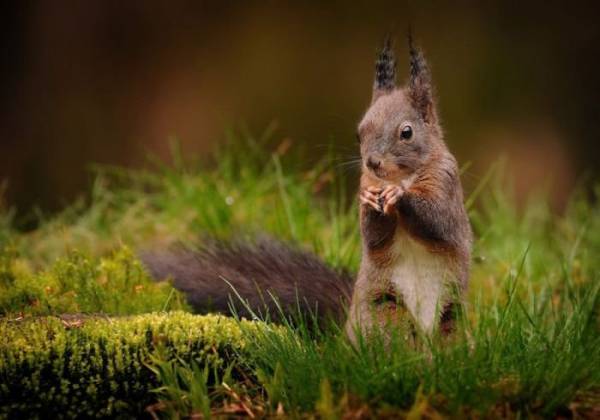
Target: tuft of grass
{"type": "Point", "coordinates": [247, 190]}
{"type": "Point", "coordinates": [527, 342]}
{"type": "Point", "coordinates": [186, 387]}
{"type": "Point", "coordinates": [529, 358]}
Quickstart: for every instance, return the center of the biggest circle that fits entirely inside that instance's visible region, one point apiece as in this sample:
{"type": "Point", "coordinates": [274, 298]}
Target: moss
{"type": "Point", "coordinates": [116, 284]}
{"type": "Point", "coordinates": [97, 366]}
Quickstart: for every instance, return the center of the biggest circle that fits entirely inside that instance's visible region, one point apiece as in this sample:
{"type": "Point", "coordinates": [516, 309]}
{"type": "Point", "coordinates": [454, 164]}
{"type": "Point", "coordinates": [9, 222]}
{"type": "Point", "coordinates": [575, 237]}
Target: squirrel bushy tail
{"type": "Point", "coordinates": [258, 271]}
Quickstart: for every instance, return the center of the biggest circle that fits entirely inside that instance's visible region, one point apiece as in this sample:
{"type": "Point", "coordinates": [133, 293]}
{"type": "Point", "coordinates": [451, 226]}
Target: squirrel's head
{"type": "Point", "coordinates": [400, 129]}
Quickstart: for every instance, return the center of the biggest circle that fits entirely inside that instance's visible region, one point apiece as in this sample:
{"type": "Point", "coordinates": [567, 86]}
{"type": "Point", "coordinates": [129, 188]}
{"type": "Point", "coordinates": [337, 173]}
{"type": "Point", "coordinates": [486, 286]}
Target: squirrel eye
{"type": "Point", "coordinates": [406, 132]}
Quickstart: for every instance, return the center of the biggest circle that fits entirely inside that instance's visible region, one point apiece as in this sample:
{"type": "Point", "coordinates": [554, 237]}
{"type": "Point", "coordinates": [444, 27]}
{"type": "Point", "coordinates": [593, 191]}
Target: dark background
{"type": "Point", "coordinates": [108, 81]}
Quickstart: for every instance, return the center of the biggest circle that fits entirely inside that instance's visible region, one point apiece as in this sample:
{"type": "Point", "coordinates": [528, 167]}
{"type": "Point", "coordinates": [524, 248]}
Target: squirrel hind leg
{"type": "Point", "coordinates": [448, 319]}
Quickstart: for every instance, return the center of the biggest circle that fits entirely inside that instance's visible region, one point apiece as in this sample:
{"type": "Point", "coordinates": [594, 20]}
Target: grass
{"type": "Point", "coordinates": [527, 342]}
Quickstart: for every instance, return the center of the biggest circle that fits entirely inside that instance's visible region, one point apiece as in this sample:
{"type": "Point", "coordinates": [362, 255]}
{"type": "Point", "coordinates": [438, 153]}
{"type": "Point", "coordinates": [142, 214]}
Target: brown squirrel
{"type": "Point", "coordinates": [415, 230]}
{"type": "Point", "coordinates": [416, 236]}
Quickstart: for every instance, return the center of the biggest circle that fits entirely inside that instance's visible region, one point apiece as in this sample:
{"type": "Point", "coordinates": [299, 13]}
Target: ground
{"type": "Point", "coordinates": [527, 341]}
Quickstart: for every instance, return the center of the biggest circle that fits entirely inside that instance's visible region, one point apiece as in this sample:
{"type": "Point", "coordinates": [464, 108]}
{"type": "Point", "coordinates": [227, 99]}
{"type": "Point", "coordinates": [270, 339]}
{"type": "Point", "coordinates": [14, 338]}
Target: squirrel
{"type": "Point", "coordinates": [416, 235]}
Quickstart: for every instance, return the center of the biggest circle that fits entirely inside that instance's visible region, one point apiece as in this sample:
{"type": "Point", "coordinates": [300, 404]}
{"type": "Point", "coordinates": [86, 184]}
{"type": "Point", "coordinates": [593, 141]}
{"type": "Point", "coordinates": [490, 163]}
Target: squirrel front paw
{"type": "Point", "coordinates": [371, 197]}
{"type": "Point", "coordinates": [390, 196]}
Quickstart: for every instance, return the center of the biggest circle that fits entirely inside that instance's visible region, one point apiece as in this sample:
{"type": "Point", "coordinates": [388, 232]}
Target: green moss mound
{"type": "Point", "coordinates": [115, 284]}
{"type": "Point", "coordinates": [96, 366]}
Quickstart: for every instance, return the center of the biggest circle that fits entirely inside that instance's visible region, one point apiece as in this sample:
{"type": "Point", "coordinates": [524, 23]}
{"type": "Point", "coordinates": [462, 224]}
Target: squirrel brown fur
{"type": "Point", "coordinates": [416, 236]}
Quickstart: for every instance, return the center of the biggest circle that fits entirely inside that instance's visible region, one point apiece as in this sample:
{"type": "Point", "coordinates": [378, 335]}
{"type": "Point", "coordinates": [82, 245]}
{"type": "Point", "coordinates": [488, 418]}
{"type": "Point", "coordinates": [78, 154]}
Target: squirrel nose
{"type": "Point", "coordinates": [372, 163]}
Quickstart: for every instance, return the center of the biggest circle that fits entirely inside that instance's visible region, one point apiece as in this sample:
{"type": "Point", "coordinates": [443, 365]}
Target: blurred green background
{"type": "Point", "coordinates": [109, 81]}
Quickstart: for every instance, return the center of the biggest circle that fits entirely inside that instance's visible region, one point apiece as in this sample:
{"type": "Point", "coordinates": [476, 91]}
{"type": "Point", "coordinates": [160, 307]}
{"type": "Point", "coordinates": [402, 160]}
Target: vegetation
{"type": "Point", "coordinates": [96, 366]}
{"type": "Point", "coordinates": [116, 285]}
{"type": "Point", "coordinates": [527, 340]}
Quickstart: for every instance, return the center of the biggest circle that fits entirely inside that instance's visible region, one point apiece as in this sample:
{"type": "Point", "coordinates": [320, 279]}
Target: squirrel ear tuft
{"type": "Point", "coordinates": [420, 89]}
{"type": "Point", "coordinates": [385, 70]}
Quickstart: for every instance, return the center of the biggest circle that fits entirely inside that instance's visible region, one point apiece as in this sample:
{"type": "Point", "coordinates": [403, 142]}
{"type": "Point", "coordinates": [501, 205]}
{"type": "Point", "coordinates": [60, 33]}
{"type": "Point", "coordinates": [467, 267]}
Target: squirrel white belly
{"type": "Point", "coordinates": [421, 278]}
